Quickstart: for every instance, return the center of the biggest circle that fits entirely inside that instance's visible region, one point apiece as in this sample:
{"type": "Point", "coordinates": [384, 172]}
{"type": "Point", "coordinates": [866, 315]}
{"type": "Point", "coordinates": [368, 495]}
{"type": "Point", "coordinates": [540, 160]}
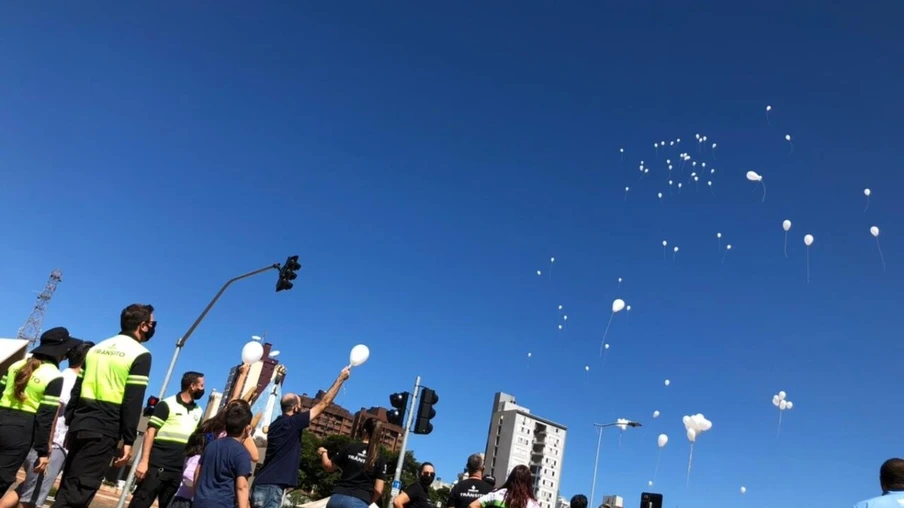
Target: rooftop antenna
{"type": "Point", "coordinates": [31, 330]}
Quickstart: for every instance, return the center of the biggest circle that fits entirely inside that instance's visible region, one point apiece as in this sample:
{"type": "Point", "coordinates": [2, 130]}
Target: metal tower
{"type": "Point", "coordinates": [31, 331]}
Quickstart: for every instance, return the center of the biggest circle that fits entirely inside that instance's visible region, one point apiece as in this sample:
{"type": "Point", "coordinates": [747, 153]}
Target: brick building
{"type": "Point", "coordinates": [335, 420]}
{"type": "Point", "coordinates": [260, 373]}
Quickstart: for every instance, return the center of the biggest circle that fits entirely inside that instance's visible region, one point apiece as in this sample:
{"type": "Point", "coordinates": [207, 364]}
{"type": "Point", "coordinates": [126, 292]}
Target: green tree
{"type": "Point", "coordinates": [439, 495]}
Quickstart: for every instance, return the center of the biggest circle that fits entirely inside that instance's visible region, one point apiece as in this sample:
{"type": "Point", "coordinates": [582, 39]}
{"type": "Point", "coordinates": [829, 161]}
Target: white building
{"type": "Point", "coordinates": [517, 437]}
{"type": "Point", "coordinates": [613, 502]}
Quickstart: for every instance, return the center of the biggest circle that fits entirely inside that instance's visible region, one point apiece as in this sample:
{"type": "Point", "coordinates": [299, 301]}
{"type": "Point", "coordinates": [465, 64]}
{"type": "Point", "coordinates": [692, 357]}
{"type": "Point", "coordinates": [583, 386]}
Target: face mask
{"type": "Point", "coordinates": [150, 333]}
{"type": "Point", "coordinates": [427, 478]}
{"type": "Point", "coordinates": [197, 394]}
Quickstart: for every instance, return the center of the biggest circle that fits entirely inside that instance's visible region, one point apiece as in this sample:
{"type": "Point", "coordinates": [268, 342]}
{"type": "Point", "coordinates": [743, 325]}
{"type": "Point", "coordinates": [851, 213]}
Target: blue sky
{"type": "Point", "coordinates": [425, 161]}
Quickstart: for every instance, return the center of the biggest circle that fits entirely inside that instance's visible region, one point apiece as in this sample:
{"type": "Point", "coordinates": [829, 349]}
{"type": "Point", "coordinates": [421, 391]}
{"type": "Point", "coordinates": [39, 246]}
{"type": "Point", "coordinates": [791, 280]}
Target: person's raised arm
{"type": "Point", "coordinates": [330, 394]}
{"type": "Point", "coordinates": [325, 461]}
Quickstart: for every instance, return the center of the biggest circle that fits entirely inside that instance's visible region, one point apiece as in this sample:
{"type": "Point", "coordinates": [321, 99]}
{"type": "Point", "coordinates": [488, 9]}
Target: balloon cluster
{"type": "Point", "coordinates": [696, 425]}
{"type": "Point", "coordinates": [779, 400]}
{"type": "Point", "coordinates": [622, 423]}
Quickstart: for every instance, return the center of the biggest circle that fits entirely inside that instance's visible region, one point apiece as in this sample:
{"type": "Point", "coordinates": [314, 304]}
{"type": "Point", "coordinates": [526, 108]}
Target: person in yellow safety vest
{"type": "Point", "coordinates": [106, 405]}
{"type": "Point", "coordinates": [29, 402]}
{"type": "Point", "coordinates": [175, 418]}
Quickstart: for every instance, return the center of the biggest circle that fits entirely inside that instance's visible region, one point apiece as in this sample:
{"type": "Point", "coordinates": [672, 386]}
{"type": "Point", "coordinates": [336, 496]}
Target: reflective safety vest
{"type": "Point", "coordinates": [105, 373]}
{"type": "Point", "coordinates": [34, 390]}
{"type": "Point", "coordinates": [180, 423]}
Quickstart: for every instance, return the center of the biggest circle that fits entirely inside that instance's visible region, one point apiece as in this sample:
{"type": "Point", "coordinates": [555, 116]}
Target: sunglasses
{"type": "Point", "coordinates": [152, 324]}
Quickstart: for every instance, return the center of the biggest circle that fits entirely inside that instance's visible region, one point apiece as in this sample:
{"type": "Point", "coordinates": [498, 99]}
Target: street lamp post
{"type": "Point", "coordinates": [136, 452]}
{"type": "Point", "coordinates": [599, 441]}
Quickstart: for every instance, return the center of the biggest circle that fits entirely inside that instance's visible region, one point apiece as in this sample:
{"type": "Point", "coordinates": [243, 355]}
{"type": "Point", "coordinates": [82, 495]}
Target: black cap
{"type": "Point", "coordinates": [56, 343]}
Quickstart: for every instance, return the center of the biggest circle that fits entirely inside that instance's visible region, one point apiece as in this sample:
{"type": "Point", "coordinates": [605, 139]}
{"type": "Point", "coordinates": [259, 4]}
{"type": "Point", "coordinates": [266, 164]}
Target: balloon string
{"type": "Point", "coordinates": [808, 264]}
{"type": "Point", "coordinates": [867, 204]}
{"type": "Point", "coordinates": [792, 148]}
{"type": "Point", "coordinates": [603, 342]}
{"type": "Point", "coordinates": [786, 245]}
{"type": "Point", "coordinates": [656, 471]}
{"type": "Point", "coordinates": [720, 244]}
{"type": "Point", "coordinates": [690, 461]}
{"type": "Point", "coordinates": [779, 424]}
{"type": "Point", "coordinates": [764, 192]}
{"type": "Point", "coordinates": [767, 119]}
{"type": "Point", "coordinates": [724, 256]}
{"type": "Point", "coordinates": [881, 257]}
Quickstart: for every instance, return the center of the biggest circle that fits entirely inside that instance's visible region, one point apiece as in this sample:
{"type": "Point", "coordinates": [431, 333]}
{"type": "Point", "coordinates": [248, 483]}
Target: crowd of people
{"type": "Point", "coordinates": [78, 421]}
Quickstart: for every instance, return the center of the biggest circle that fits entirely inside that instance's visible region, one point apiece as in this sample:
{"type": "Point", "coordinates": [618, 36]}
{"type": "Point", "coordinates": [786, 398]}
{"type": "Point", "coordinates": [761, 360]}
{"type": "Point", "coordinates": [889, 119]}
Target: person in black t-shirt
{"type": "Point", "coordinates": [416, 495]}
{"type": "Point", "coordinates": [363, 469]}
{"type": "Point", "coordinates": [467, 491]}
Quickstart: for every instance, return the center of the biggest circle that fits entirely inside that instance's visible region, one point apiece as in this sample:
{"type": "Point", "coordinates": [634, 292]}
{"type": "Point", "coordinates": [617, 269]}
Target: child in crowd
{"type": "Point", "coordinates": [193, 451]}
{"type": "Point", "coordinates": [221, 477]}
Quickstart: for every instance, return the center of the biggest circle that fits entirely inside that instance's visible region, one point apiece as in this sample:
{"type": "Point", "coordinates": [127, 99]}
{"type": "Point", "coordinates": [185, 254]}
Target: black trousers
{"type": "Point", "coordinates": [89, 458]}
{"type": "Point", "coordinates": [157, 483]}
{"type": "Point", "coordinates": [15, 442]}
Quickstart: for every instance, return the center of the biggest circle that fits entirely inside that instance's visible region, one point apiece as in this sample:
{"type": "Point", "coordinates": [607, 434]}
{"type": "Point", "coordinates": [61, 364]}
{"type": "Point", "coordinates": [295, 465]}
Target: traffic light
{"type": "Point", "coordinates": [650, 500]}
{"type": "Point", "coordinates": [152, 403]}
{"type": "Point", "coordinates": [287, 274]}
{"type": "Point", "coordinates": [425, 411]}
{"type": "Point", "coordinates": [399, 403]}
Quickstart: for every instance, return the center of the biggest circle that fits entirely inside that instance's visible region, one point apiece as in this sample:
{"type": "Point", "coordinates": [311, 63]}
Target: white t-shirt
{"type": "Point", "coordinates": [496, 499]}
{"type": "Point", "coordinates": [59, 434]}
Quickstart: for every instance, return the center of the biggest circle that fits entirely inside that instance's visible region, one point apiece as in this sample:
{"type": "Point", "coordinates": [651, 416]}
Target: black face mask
{"type": "Point", "coordinates": [150, 333]}
{"type": "Point", "coordinates": [427, 478]}
{"type": "Point", "coordinates": [197, 394]}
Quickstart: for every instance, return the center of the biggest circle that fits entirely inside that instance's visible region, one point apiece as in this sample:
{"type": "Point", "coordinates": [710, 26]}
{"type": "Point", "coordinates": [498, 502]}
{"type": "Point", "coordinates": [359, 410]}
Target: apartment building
{"type": "Point", "coordinates": [518, 437]}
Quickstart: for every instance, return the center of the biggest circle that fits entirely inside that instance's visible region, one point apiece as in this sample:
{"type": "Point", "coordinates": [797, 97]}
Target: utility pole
{"type": "Point", "coordinates": [282, 285]}
{"type": "Point", "coordinates": [396, 480]}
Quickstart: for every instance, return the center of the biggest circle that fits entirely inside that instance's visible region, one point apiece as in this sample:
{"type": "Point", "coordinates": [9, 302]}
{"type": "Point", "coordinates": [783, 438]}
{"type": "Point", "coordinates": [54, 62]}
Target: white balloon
{"type": "Point", "coordinates": [808, 240]}
{"type": "Point", "coordinates": [789, 405]}
{"type": "Point", "coordinates": [753, 176]}
{"type": "Point", "coordinates": [691, 435]}
{"type": "Point", "coordinates": [743, 490]}
{"type": "Point", "coordinates": [539, 272]}
{"type": "Point", "coordinates": [782, 404]}
{"type": "Point", "coordinates": [787, 137]}
{"type": "Point", "coordinates": [786, 225]}
{"type": "Point", "coordinates": [667, 382]}
{"type": "Point", "coordinates": [718, 235]}
{"type": "Point", "coordinates": [650, 483]}
{"type": "Point", "coordinates": [619, 279]}
{"type": "Point", "coordinates": [529, 355]}
{"type": "Point", "coordinates": [560, 307]}
{"type": "Point", "coordinates": [656, 414]}
{"type": "Point", "coordinates": [867, 192]}
{"type": "Point", "coordinates": [628, 308]}
{"type": "Point", "coordinates": [622, 150]}
{"type": "Point", "coordinates": [663, 440]}
{"type": "Point", "coordinates": [776, 401]}
{"type": "Point", "coordinates": [622, 423]}
{"type": "Point", "coordinates": [659, 195]}
{"type": "Point", "coordinates": [782, 395]}
{"type": "Point", "coordinates": [728, 247]}
{"type": "Point", "coordinates": [606, 346]}
{"type": "Point", "coordinates": [587, 368]}
{"type": "Point", "coordinates": [768, 108]}
{"type": "Point", "coordinates": [552, 260]}
{"type": "Point", "coordinates": [252, 352]}
{"type": "Point", "coordinates": [617, 305]}
{"type": "Point", "coordinates": [874, 231]}
{"type": "Point", "coordinates": [358, 355]}
{"type": "Point", "coordinates": [664, 243]}
{"type": "Point", "coordinates": [627, 189]}
{"type": "Point", "coordinates": [676, 248]}
{"type": "Point", "coordinates": [565, 317]}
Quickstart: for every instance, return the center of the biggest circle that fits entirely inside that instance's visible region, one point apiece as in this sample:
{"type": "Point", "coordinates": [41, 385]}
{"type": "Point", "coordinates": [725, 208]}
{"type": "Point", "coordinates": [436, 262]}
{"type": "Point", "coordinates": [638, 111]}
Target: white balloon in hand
{"type": "Point", "coordinates": [252, 352]}
{"type": "Point", "coordinates": [358, 355]}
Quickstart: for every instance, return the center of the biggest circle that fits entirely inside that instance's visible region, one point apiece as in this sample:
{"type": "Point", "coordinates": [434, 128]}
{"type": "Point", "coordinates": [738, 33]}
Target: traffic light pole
{"type": "Point", "coordinates": [396, 480]}
{"type": "Point", "coordinates": [136, 451]}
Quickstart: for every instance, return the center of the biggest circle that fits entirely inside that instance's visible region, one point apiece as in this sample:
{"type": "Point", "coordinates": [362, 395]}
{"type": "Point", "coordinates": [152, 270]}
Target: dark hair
{"type": "Point", "coordinates": [237, 419]}
{"type": "Point", "coordinates": [475, 463]}
{"type": "Point", "coordinates": [76, 355]}
{"type": "Point", "coordinates": [24, 375]}
{"type": "Point", "coordinates": [217, 424]}
{"type": "Point", "coordinates": [891, 475]}
{"type": "Point", "coordinates": [518, 488]}
{"type": "Point", "coordinates": [579, 501]}
{"type": "Point", "coordinates": [373, 429]}
{"type": "Point", "coordinates": [196, 443]}
{"type": "Point", "coordinates": [189, 378]}
{"type": "Point", "coordinates": [425, 464]}
{"type": "Point", "coordinates": [133, 315]}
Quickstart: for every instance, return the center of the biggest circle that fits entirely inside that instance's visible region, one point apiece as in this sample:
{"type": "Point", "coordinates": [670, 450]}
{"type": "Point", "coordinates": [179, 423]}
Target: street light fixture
{"type": "Point", "coordinates": [599, 441]}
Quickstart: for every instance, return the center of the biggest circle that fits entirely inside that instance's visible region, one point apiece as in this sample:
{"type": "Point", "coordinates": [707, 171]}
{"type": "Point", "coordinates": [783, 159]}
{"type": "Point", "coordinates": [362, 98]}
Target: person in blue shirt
{"type": "Point", "coordinates": [280, 469]}
{"type": "Point", "coordinates": [221, 479]}
{"type": "Point", "coordinates": [891, 479]}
